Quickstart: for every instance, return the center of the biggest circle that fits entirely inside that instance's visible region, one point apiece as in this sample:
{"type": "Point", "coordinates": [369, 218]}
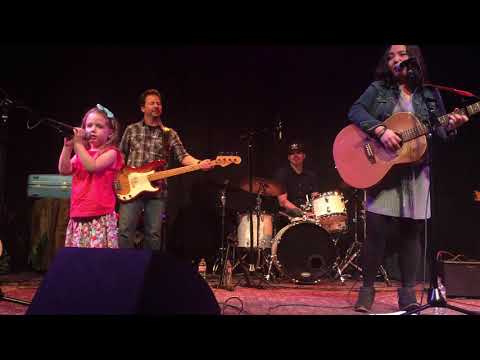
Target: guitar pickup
{"type": "Point", "coordinates": [369, 153]}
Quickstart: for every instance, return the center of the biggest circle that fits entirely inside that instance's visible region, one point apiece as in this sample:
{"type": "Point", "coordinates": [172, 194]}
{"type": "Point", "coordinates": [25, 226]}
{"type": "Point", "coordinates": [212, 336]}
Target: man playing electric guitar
{"type": "Point", "coordinates": [145, 142]}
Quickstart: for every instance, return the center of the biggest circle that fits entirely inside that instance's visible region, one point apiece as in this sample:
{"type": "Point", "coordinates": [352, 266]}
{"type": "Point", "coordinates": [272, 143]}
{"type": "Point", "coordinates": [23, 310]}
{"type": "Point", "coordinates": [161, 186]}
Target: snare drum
{"type": "Point", "coordinates": [330, 211]}
{"type": "Point", "coordinates": [304, 252]}
{"type": "Point", "coordinates": [265, 232]}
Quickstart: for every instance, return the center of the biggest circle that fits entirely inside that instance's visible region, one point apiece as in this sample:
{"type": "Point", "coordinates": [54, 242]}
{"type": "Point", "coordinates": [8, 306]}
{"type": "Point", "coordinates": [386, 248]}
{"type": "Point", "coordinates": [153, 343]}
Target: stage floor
{"type": "Point", "coordinates": [267, 298]}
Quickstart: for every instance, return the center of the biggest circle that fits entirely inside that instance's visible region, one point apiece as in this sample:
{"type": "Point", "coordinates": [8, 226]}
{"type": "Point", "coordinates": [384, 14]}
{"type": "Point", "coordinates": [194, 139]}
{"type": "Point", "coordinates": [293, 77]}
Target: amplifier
{"type": "Point", "coordinates": [49, 186]}
{"type": "Point", "coordinates": [461, 278]}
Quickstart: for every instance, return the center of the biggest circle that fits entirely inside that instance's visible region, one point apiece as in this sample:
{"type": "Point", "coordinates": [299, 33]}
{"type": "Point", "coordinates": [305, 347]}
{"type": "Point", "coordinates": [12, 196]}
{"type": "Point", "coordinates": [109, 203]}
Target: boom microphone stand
{"type": "Point", "coordinates": [5, 105]}
{"type": "Point", "coordinates": [248, 272]}
{"type": "Point", "coordinates": [435, 297]}
{"type": "Point", "coordinates": [222, 257]}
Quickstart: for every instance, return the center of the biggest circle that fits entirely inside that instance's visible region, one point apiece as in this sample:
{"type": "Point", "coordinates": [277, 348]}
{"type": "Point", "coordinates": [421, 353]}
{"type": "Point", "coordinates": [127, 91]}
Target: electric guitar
{"type": "Point", "coordinates": [131, 182]}
{"type": "Point", "coordinates": [362, 161]}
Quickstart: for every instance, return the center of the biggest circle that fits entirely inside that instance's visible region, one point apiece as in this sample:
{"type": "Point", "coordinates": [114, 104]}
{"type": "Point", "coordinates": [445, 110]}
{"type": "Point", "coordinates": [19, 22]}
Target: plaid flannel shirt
{"type": "Point", "coordinates": [143, 144]}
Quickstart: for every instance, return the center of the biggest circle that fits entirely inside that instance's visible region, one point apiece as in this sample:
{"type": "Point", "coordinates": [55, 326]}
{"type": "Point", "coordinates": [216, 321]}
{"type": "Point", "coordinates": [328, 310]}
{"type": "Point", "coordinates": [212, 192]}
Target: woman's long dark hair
{"type": "Point", "coordinates": [382, 71]}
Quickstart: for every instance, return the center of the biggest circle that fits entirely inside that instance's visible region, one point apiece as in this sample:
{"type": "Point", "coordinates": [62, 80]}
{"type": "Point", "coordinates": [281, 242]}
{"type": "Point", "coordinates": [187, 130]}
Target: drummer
{"type": "Point", "coordinates": [300, 183]}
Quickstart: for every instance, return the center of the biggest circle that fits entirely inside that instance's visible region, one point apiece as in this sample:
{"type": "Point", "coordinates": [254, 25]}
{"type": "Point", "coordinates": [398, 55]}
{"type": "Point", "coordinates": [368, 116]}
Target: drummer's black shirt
{"type": "Point", "coordinates": [297, 185]}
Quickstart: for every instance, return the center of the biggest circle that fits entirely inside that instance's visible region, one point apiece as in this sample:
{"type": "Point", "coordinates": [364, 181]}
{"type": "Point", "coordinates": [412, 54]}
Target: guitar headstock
{"type": "Point", "coordinates": [225, 160]}
{"type": "Point", "coordinates": [476, 196]}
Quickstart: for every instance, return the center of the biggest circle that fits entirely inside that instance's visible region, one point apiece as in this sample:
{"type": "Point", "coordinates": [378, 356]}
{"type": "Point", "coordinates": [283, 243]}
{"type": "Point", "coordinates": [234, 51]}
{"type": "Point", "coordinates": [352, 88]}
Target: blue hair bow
{"type": "Point", "coordinates": [106, 111]}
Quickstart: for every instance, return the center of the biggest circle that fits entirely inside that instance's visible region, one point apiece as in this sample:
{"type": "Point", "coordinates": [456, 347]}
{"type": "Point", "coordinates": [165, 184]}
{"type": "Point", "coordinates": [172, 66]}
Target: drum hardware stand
{"type": "Point", "coordinates": [258, 211]}
{"type": "Point", "coordinates": [355, 249]}
{"type": "Point", "coordinates": [308, 204]}
{"type": "Point", "coordinates": [272, 261]}
{"type": "Point", "coordinates": [351, 254]}
{"type": "Point", "coordinates": [248, 274]}
{"type": "Point", "coordinates": [261, 259]}
{"type": "Point", "coordinates": [269, 271]}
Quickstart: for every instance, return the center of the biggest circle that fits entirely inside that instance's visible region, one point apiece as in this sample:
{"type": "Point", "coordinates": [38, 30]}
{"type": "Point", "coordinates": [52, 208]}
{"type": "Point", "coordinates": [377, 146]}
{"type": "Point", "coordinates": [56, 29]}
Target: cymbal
{"type": "Point", "coordinates": [266, 187]}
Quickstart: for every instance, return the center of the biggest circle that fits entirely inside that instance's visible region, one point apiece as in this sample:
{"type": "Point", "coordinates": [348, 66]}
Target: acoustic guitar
{"type": "Point", "coordinates": [362, 161]}
{"type": "Point", "coordinates": [131, 182]}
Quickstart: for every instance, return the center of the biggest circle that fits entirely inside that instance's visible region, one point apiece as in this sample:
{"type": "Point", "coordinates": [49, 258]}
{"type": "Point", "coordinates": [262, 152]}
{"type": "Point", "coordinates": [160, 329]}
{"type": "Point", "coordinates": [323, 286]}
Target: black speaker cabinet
{"type": "Point", "coordinates": [461, 278]}
{"type": "Point", "coordinates": [120, 282]}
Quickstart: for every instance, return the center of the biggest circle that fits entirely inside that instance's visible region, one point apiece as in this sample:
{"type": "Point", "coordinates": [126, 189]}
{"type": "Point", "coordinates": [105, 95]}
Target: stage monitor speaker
{"type": "Point", "coordinates": [120, 282]}
{"type": "Point", "coordinates": [461, 278]}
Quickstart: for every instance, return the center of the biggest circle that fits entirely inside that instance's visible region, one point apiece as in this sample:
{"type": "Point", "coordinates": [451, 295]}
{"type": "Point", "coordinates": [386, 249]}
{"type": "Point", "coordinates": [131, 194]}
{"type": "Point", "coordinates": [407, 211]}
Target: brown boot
{"type": "Point", "coordinates": [364, 303]}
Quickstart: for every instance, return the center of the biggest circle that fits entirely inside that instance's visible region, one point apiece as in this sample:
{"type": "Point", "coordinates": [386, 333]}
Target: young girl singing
{"type": "Point", "coordinates": [93, 221]}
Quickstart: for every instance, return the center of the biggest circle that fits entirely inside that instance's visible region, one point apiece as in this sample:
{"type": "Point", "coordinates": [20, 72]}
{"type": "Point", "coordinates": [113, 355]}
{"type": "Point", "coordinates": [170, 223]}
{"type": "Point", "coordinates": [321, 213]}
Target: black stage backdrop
{"type": "Point", "coordinates": [212, 95]}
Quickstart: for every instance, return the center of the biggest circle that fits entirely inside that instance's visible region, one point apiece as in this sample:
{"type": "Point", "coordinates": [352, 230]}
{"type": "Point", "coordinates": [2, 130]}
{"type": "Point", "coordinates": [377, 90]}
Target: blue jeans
{"type": "Point", "coordinates": [154, 211]}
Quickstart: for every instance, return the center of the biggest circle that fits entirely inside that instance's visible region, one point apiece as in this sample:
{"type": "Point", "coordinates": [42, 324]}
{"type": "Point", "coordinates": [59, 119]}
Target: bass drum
{"type": "Point", "coordinates": [304, 252]}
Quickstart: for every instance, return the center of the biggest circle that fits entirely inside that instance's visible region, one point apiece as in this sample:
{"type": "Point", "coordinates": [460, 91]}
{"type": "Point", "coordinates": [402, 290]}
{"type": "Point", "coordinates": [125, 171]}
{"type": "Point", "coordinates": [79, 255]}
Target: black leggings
{"type": "Point", "coordinates": [380, 229]}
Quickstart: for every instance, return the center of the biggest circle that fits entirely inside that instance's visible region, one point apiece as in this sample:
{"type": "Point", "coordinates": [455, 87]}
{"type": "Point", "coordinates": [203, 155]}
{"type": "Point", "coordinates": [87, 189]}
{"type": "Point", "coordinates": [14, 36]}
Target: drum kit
{"type": "Point", "coordinates": [305, 249]}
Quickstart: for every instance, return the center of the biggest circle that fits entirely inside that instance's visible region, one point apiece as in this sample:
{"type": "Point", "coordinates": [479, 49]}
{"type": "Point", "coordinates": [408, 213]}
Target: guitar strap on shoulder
{"type": "Point", "coordinates": [166, 143]}
{"type": "Point", "coordinates": [434, 104]}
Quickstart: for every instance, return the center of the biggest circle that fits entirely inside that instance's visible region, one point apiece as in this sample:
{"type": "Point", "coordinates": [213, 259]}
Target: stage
{"type": "Point", "coordinates": [329, 297]}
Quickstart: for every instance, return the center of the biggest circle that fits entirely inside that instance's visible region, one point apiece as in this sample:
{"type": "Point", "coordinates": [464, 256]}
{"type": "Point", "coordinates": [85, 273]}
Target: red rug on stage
{"type": "Point", "coordinates": [325, 298]}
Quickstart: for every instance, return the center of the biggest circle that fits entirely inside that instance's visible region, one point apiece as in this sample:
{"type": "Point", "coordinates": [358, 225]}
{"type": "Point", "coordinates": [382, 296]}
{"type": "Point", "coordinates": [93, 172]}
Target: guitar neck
{"type": "Point", "coordinates": [173, 172]}
{"type": "Point", "coordinates": [421, 129]}
{"type": "Point", "coordinates": [469, 111]}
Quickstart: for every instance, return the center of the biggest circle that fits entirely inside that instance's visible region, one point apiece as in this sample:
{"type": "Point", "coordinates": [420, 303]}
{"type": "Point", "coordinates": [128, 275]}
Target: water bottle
{"type": "Point", "coordinates": [228, 280]}
{"type": "Point", "coordinates": [443, 293]}
{"type": "Point", "coordinates": [202, 268]}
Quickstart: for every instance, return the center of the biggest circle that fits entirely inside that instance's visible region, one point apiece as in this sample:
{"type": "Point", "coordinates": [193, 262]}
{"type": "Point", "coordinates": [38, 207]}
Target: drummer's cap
{"type": "Point", "coordinates": [296, 147]}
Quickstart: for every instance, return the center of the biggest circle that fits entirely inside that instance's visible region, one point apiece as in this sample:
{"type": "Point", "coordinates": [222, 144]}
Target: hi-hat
{"type": "Point", "coordinates": [263, 186]}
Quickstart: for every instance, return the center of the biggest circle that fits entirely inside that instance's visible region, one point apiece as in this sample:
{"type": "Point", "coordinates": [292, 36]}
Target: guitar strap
{"type": "Point", "coordinates": [166, 143]}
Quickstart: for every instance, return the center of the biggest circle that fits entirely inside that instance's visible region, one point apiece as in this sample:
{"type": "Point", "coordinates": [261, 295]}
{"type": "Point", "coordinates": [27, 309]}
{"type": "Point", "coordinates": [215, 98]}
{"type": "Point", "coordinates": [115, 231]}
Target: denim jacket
{"type": "Point", "coordinates": [376, 104]}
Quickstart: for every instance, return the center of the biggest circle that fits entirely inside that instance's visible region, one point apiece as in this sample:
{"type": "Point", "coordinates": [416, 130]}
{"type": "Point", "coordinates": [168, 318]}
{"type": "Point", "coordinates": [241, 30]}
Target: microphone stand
{"type": "Point", "coordinates": [5, 107]}
{"type": "Point", "coordinates": [251, 257]}
{"type": "Point", "coordinates": [64, 129]}
{"type": "Point", "coordinates": [222, 258]}
{"type": "Point", "coordinates": [435, 298]}
{"type": "Point", "coordinates": [464, 94]}
{"type": "Point", "coordinates": [251, 252]}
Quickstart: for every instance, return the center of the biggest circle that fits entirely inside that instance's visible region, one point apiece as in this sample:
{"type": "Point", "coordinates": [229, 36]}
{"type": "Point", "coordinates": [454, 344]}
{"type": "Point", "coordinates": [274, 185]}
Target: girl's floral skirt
{"type": "Point", "coordinates": [93, 232]}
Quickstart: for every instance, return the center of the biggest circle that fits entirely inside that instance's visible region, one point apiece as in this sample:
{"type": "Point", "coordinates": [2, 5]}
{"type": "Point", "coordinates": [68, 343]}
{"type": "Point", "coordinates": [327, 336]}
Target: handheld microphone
{"type": "Point", "coordinates": [65, 129]}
